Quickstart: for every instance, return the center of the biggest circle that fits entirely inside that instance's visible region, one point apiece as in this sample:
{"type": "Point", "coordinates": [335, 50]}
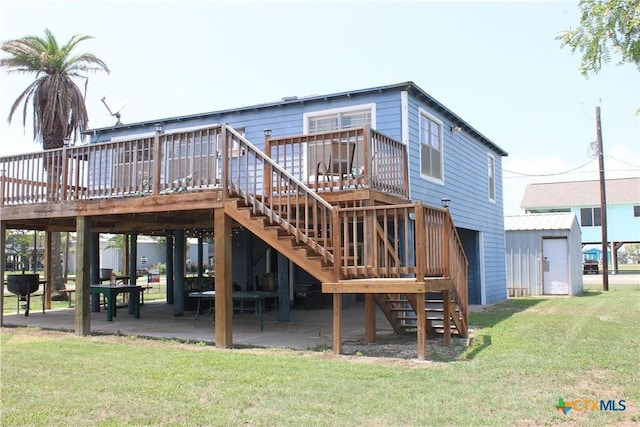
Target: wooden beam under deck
{"type": "Point", "coordinates": [387, 286]}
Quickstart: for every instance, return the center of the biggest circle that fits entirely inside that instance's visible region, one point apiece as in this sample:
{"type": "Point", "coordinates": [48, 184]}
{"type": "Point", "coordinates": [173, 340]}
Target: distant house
{"type": "Point", "coordinates": [583, 199]}
{"type": "Point", "coordinates": [543, 254]}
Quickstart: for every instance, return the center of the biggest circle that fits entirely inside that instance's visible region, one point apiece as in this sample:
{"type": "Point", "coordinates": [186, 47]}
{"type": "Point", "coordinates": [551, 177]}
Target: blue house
{"type": "Point", "coordinates": [377, 192]}
{"type": "Point", "coordinates": [447, 158]}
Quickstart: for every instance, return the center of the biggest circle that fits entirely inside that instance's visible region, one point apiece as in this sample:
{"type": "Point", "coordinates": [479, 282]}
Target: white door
{"type": "Point", "coordinates": [555, 266]}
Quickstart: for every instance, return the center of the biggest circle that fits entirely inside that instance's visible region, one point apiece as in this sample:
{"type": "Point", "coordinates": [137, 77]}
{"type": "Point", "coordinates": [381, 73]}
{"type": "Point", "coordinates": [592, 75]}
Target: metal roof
{"type": "Point", "coordinates": [580, 193]}
{"type": "Point", "coordinates": [408, 86]}
{"type": "Point", "coordinates": [546, 221]}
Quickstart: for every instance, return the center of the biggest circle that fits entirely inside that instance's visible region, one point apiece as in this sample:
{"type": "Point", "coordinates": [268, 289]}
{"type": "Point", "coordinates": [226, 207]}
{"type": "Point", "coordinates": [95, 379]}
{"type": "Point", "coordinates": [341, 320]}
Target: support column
{"type": "Point", "coordinates": [421, 323]}
{"type": "Point", "coordinates": [94, 274]}
{"type": "Point", "coordinates": [284, 309]}
{"type": "Point", "coordinates": [3, 245]}
{"type": "Point", "coordinates": [223, 281]}
{"type": "Point", "coordinates": [337, 323]}
{"type": "Point", "coordinates": [84, 258]}
{"type": "Point", "coordinates": [200, 257]}
{"type": "Point", "coordinates": [169, 274]}
{"type": "Point", "coordinates": [133, 258]}
{"type": "Point", "coordinates": [369, 318]}
{"type": "Point", "coordinates": [48, 269]}
{"type": "Point", "coordinates": [178, 268]}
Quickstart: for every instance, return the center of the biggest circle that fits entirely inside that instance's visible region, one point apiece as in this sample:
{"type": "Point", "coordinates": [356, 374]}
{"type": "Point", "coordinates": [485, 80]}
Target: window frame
{"type": "Point", "coordinates": [338, 110]}
{"type": "Point", "coordinates": [593, 217]}
{"type": "Point", "coordinates": [491, 176]}
{"type": "Point", "coordinates": [440, 125]}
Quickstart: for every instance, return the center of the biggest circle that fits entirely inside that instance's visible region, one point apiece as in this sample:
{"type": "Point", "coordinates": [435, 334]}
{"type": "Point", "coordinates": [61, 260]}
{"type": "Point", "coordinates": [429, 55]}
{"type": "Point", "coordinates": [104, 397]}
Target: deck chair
{"type": "Point", "coordinates": [339, 163]}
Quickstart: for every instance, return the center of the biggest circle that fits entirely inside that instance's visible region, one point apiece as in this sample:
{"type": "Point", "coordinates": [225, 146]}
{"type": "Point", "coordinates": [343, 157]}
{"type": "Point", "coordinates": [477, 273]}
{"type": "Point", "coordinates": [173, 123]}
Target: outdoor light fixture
{"type": "Point", "coordinates": [445, 202]}
{"type": "Point", "coordinates": [455, 129]}
{"type": "Point", "coordinates": [66, 141]}
{"type": "Point", "coordinates": [159, 127]}
{"type": "Point", "coordinates": [267, 133]}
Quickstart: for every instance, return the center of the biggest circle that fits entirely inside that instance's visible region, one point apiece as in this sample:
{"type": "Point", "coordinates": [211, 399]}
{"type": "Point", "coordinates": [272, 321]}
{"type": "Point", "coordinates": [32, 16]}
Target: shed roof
{"type": "Point", "coordinates": [579, 193]}
{"type": "Point", "coordinates": [546, 221]}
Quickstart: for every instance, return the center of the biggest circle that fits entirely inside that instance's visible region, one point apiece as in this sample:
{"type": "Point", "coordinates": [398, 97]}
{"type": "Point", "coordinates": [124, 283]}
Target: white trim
{"type": "Point", "coordinates": [495, 187]}
{"type": "Point", "coordinates": [404, 120]}
{"type": "Point", "coordinates": [310, 114]}
{"type": "Point", "coordinates": [423, 112]}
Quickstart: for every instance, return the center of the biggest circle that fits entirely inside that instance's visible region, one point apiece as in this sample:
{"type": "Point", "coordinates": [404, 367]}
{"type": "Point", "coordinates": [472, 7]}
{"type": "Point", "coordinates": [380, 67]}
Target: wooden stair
{"type": "Point", "coordinates": [298, 251]}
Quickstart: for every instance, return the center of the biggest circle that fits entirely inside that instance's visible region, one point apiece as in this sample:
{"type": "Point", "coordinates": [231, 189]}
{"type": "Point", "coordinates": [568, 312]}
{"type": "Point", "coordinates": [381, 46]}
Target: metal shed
{"type": "Point", "coordinates": [543, 254]}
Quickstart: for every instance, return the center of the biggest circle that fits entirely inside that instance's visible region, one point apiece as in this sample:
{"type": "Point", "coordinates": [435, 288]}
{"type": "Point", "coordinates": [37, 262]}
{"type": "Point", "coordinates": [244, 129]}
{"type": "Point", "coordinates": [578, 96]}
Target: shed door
{"type": "Point", "coordinates": [555, 266]}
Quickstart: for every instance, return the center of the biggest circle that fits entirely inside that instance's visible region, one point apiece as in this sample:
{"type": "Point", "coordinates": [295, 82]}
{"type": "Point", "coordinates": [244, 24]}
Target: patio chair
{"type": "Point", "coordinates": [339, 164]}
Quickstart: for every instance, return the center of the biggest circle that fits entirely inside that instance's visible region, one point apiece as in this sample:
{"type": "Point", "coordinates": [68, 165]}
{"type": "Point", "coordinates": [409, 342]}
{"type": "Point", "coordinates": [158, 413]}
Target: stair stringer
{"type": "Point", "coordinates": [297, 254]}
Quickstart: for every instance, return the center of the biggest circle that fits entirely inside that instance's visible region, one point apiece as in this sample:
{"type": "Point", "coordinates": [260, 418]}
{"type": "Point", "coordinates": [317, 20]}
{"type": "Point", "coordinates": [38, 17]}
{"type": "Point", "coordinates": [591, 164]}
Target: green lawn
{"type": "Point", "coordinates": [526, 354]}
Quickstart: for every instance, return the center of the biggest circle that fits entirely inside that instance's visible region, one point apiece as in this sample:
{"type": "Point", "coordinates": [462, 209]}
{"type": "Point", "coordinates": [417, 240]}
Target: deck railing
{"type": "Point", "coordinates": [348, 158]}
{"type": "Point", "coordinates": [160, 163]}
{"type": "Point", "coordinates": [410, 240]}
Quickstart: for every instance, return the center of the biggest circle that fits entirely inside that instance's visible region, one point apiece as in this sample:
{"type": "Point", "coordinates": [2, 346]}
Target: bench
{"type": "Point", "coordinates": [68, 292]}
{"type": "Point", "coordinates": [142, 289]}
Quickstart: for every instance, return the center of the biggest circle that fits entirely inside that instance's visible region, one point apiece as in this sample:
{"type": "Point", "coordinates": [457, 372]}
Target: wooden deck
{"type": "Point", "coordinates": [352, 227]}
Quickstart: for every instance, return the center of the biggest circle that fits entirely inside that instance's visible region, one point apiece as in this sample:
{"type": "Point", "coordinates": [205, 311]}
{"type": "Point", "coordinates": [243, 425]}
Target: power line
{"type": "Point", "coordinates": [549, 174]}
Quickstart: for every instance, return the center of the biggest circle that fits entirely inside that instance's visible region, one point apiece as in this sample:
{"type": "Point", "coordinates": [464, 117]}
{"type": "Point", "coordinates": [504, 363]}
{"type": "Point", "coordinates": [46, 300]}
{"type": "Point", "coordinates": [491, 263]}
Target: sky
{"type": "Point", "coordinates": [495, 64]}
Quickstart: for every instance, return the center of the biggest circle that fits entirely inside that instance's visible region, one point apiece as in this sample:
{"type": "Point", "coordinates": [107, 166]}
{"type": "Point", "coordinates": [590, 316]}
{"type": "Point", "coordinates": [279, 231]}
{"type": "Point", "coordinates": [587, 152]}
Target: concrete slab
{"type": "Point", "coordinates": [307, 329]}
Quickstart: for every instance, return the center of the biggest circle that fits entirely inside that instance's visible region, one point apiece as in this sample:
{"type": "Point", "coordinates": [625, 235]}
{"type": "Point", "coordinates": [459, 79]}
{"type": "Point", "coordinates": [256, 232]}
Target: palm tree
{"type": "Point", "coordinates": [59, 109]}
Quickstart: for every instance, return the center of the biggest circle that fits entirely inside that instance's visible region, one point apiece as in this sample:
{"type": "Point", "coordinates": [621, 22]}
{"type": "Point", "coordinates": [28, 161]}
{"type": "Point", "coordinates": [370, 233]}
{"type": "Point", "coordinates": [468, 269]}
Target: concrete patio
{"type": "Point", "coordinates": [307, 329]}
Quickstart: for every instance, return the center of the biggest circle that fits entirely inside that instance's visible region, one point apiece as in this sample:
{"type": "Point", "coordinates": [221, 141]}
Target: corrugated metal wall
{"type": "Point", "coordinates": [524, 260]}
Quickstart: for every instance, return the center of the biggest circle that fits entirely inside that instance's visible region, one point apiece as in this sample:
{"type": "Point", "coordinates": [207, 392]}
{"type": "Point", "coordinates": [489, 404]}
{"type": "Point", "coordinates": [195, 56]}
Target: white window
{"type": "Point", "coordinates": [491, 174]}
{"type": "Point", "coordinates": [431, 159]}
{"type": "Point", "coordinates": [339, 118]}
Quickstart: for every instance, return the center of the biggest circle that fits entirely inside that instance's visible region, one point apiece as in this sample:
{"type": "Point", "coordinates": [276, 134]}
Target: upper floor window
{"type": "Point", "coordinates": [339, 118]}
{"type": "Point", "coordinates": [590, 217]}
{"type": "Point", "coordinates": [431, 158]}
{"type": "Point", "coordinates": [636, 211]}
{"type": "Point", "coordinates": [491, 173]}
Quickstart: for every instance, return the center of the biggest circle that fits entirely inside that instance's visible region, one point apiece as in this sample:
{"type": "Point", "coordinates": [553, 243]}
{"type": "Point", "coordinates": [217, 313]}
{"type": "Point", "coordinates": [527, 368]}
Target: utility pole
{"type": "Point", "coordinates": [603, 205]}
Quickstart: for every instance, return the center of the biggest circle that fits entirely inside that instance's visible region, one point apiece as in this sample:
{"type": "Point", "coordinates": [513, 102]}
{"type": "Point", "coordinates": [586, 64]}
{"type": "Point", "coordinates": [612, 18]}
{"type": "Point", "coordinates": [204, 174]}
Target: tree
{"type": "Point", "coordinates": [608, 29]}
{"type": "Point", "coordinates": [59, 110]}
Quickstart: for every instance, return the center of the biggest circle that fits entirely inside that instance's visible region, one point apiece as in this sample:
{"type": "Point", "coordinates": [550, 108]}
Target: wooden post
{"type": "Point", "coordinates": [337, 323]}
{"type": "Point", "coordinates": [3, 242]}
{"type": "Point", "coordinates": [157, 157]}
{"type": "Point", "coordinates": [368, 159]}
{"type": "Point", "coordinates": [132, 259]}
{"type": "Point", "coordinates": [225, 164]}
{"type": "Point", "coordinates": [369, 318]}
{"type": "Point", "coordinates": [446, 317]}
{"type": "Point", "coordinates": [64, 189]}
{"type": "Point", "coordinates": [420, 235]}
{"type": "Point", "coordinates": [447, 224]}
{"type": "Point", "coordinates": [48, 273]}
{"type": "Point", "coordinates": [178, 270]}
{"type": "Point", "coordinates": [267, 167]}
{"type": "Point", "coordinates": [421, 323]}
{"type": "Point", "coordinates": [83, 281]}
{"type": "Point", "coordinates": [223, 279]}
{"type": "Point", "coordinates": [337, 244]}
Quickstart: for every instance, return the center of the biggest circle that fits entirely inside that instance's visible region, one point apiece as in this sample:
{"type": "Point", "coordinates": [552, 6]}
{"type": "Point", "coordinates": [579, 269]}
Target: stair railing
{"type": "Point", "coordinates": [272, 191]}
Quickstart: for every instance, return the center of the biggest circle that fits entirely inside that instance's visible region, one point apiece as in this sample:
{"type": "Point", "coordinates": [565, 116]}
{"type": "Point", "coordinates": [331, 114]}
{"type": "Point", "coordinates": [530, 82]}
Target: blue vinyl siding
{"type": "Point", "coordinates": [466, 184]}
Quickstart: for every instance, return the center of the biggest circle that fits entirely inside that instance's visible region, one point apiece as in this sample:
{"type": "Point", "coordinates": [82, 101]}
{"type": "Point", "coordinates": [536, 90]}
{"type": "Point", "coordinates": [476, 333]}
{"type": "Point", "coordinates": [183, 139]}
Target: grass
{"type": "Point", "coordinates": [526, 354]}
